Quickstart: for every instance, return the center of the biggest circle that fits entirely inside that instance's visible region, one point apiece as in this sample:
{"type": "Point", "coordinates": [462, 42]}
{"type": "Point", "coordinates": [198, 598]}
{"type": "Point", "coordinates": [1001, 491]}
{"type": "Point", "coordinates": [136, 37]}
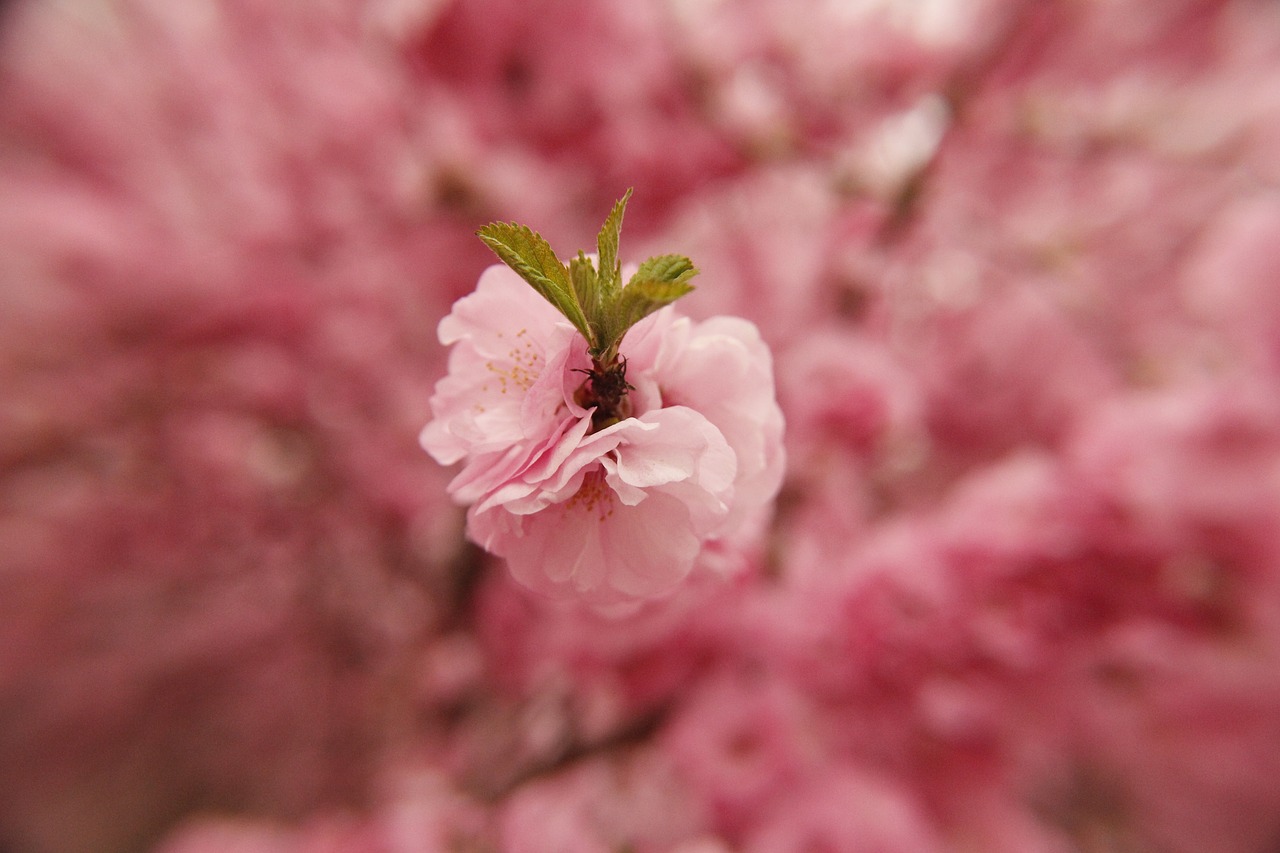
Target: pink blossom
{"type": "Point", "coordinates": [740, 742]}
{"type": "Point", "coordinates": [630, 802]}
{"type": "Point", "coordinates": [1016, 262]}
{"type": "Point", "coordinates": [620, 513]}
{"type": "Point", "coordinates": [845, 810]}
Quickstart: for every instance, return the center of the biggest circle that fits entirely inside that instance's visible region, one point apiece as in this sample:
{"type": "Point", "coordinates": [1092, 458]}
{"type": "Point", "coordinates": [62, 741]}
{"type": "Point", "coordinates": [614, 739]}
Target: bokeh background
{"type": "Point", "coordinates": [1019, 265]}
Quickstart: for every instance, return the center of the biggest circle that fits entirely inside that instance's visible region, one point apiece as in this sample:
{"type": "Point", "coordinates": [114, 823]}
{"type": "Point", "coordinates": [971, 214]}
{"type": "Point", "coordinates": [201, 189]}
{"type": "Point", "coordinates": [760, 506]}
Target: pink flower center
{"type": "Point", "coordinates": [525, 364]}
{"type": "Point", "coordinates": [594, 495]}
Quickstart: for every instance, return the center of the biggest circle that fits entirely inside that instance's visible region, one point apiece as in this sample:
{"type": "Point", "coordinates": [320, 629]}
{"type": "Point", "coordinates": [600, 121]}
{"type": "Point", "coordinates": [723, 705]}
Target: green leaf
{"type": "Point", "coordinates": [526, 252]}
{"type": "Point", "coordinates": [659, 281]}
{"type": "Point", "coordinates": [586, 286]}
{"type": "Point", "coordinates": [664, 278]}
{"type": "Point", "coordinates": [607, 247]}
{"type": "Point", "coordinates": [592, 296]}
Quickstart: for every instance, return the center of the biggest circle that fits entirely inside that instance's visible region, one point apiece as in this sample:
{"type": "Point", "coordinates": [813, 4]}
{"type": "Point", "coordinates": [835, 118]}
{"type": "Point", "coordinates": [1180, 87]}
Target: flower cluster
{"type": "Point", "coordinates": [1016, 264]}
{"type": "Point", "coordinates": [604, 438]}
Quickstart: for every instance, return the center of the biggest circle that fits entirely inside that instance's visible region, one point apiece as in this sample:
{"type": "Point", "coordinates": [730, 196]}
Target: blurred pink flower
{"type": "Point", "coordinates": [617, 514]}
{"type": "Point", "coordinates": [740, 741]}
{"type": "Point", "coordinates": [843, 810]}
{"type": "Point", "coordinates": [632, 801]}
{"type": "Point", "coordinates": [1016, 263]}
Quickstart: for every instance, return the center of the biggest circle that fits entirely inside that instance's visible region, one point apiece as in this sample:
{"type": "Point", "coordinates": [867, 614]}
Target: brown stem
{"type": "Point", "coordinates": [606, 389]}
